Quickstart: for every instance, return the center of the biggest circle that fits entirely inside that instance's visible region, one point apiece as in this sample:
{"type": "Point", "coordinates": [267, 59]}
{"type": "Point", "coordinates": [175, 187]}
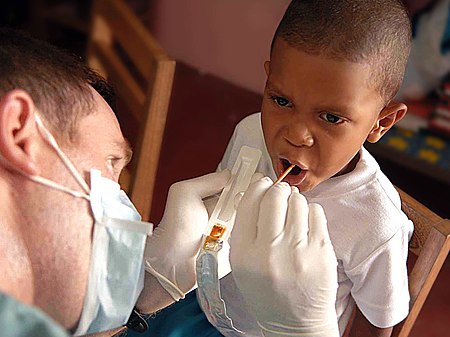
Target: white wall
{"type": "Point", "coordinates": [228, 38]}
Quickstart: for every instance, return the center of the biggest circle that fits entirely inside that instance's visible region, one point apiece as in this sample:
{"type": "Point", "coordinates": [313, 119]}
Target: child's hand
{"type": "Point", "coordinates": [284, 263]}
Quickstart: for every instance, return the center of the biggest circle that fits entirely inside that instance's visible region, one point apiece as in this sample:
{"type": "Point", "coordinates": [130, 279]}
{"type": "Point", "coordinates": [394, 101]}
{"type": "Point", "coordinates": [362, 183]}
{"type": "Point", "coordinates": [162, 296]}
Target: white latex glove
{"type": "Point", "coordinates": [171, 251]}
{"type": "Point", "coordinates": [223, 257]}
{"type": "Point", "coordinates": [284, 263]}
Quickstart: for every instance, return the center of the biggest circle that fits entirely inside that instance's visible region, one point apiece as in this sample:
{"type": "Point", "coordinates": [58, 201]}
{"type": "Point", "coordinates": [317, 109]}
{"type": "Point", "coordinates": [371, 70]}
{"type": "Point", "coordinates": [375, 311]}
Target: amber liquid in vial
{"type": "Point", "coordinates": [217, 231]}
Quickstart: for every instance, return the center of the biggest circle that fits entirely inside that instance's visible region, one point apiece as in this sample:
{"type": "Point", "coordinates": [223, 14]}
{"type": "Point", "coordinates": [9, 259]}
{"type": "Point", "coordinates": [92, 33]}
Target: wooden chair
{"type": "Point", "coordinates": [123, 50]}
{"type": "Point", "coordinates": [45, 15]}
{"type": "Point", "coordinates": [431, 244]}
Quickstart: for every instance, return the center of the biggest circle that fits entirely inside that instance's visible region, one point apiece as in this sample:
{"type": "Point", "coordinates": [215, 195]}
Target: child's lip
{"type": "Point", "coordinates": [295, 162]}
{"type": "Point", "coordinates": [297, 179]}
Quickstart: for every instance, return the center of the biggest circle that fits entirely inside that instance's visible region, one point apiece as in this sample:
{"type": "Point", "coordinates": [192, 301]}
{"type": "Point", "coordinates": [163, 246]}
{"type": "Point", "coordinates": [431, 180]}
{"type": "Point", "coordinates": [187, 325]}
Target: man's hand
{"type": "Point", "coordinates": [172, 249]}
{"type": "Point", "coordinates": [284, 263]}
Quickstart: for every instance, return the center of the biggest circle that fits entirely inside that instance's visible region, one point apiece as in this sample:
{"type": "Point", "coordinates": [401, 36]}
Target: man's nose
{"type": "Point", "coordinates": [298, 134]}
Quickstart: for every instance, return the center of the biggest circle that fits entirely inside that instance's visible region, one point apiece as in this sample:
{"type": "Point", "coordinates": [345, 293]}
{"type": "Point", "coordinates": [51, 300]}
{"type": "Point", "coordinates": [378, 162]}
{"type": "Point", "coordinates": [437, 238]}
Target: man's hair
{"type": "Point", "coordinates": [57, 81]}
{"type": "Point", "coordinates": [374, 32]}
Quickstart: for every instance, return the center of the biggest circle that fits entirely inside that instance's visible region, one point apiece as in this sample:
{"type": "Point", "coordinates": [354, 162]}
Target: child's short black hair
{"type": "Point", "coordinates": [376, 32]}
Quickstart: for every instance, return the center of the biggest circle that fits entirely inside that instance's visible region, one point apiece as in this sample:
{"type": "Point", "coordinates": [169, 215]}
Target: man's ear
{"type": "Point", "coordinates": [267, 67]}
{"type": "Point", "coordinates": [17, 131]}
{"type": "Point", "coordinates": [391, 114]}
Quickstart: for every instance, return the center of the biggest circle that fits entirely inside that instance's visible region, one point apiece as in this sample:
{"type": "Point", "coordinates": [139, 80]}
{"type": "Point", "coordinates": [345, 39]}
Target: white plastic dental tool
{"type": "Point", "coordinates": [219, 229]}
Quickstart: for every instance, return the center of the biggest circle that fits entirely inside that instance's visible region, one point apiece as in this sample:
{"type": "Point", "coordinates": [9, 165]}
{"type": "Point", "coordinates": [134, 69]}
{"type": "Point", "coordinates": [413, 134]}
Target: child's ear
{"type": "Point", "coordinates": [391, 114]}
{"type": "Point", "coordinates": [267, 67]}
{"type": "Point", "coordinates": [17, 131]}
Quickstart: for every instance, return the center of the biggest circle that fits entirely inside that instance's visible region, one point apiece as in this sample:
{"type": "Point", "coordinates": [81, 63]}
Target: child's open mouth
{"type": "Point", "coordinates": [296, 170]}
{"type": "Point", "coordinates": [295, 177]}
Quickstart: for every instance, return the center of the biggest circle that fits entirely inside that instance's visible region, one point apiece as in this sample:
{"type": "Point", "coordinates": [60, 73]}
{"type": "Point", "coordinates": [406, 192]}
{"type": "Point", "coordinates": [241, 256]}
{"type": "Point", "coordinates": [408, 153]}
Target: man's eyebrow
{"type": "Point", "coordinates": [125, 149]}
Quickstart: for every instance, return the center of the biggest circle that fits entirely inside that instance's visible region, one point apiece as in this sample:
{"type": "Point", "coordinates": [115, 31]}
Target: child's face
{"type": "Point", "coordinates": [317, 113]}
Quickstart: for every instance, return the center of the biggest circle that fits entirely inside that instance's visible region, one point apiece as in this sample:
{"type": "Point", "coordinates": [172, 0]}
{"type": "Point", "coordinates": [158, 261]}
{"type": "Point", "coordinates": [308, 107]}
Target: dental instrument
{"type": "Point", "coordinates": [219, 229]}
{"type": "Point", "coordinates": [284, 174]}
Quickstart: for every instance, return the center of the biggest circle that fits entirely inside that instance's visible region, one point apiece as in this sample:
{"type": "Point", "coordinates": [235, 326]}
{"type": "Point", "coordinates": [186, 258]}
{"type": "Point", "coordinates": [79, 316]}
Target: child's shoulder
{"type": "Point", "coordinates": [374, 207]}
{"type": "Point", "coordinates": [365, 186]}
{"type": "Point", "coordinates": [250, 122]}
{"type": "Point", "coordinates": [366, 224]}
{"type": "Point", "coordinates": [248, 132]}
{"type": "Point", "coordinates": [367, 193]}
{"type": "Point", "coordinates": [367, 210]}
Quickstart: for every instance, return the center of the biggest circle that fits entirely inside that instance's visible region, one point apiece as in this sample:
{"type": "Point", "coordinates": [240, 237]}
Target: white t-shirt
{"type": "Point", "coordinates": [369, 232]}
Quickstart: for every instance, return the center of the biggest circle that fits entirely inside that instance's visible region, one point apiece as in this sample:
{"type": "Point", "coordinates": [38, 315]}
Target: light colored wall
{"type": "Point", "coordinates": [228, 38]}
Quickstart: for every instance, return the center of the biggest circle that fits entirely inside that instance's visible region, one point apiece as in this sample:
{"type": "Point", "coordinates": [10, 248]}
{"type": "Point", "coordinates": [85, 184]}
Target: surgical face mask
{"type": "Point", "coordinates": [116, 275]}
{"type": "Point", "coordinates": [116, 272]}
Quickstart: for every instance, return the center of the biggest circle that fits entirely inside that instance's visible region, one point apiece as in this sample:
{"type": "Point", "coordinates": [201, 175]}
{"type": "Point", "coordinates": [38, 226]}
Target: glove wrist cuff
{"type": "Point", "coordinates": [168, 285]}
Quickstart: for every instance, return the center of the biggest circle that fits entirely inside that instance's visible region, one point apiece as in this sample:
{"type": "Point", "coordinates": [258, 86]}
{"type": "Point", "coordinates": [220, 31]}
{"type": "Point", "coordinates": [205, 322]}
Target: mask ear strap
{"type": "Point", "coordinates": [52, 141]}
{"type": "Point", "coordinates": [56, 186]}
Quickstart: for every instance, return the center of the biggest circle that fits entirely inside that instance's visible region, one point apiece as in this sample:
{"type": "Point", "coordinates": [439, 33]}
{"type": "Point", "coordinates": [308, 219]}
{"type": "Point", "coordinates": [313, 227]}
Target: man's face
{"type": "Point", "coordinates": [316, 114]}
{"type": "Point", "coordinates": [98, 143]}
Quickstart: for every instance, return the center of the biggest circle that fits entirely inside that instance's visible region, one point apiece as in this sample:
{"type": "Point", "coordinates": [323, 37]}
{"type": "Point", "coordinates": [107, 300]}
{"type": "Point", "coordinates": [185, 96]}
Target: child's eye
{"type": "Point", "coordinates": [281, 101]}
{"type": "Point", "coordinates": [330, 118]}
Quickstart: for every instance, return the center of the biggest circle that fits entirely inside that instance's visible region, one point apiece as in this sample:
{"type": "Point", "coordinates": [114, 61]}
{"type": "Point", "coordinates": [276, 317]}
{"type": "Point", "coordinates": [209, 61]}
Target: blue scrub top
{"type": "Point", "coordinates": [184, 318]}
{"type": "Point", "coordinates": [20, 320]}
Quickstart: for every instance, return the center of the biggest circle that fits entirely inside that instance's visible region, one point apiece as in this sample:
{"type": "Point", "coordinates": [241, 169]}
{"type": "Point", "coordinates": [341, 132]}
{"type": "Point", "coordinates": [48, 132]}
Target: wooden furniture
{"type": "Point", "coordinates": [431, 244]}
{"type": "Point", "coordinates": [66, 14]}
{"type": "Point", "coordinates": [126, 53]}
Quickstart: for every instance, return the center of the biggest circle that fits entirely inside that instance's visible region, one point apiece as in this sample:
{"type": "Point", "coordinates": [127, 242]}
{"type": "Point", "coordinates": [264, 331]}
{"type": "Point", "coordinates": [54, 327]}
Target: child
{"type": "Point", "coordinates": [334, 68]}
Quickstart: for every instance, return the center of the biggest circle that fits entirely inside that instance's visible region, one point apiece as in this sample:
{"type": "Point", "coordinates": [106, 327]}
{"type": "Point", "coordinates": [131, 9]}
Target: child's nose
{"type": "Point", "coordinates": [298, 134]}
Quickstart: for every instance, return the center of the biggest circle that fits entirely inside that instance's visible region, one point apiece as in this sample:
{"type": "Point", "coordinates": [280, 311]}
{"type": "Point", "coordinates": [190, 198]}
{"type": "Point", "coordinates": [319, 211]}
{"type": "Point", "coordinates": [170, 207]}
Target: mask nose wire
{"type": "Point", "coordinates": [51, 140]}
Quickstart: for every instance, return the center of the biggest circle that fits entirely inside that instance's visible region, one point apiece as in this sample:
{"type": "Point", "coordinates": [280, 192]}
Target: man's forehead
{"type": "Point", "coordinates": [101, 126]}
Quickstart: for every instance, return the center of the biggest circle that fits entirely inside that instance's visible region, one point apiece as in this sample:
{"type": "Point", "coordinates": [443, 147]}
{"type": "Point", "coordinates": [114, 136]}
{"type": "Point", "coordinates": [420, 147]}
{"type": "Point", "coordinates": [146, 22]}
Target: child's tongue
{"type": "Point", "coordinates": [295, 180]}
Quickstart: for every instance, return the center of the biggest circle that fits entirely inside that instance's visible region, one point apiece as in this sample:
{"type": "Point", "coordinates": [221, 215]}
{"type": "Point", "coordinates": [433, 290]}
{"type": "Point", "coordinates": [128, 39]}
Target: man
{"type": "Point", "coordinates": [66, 227]}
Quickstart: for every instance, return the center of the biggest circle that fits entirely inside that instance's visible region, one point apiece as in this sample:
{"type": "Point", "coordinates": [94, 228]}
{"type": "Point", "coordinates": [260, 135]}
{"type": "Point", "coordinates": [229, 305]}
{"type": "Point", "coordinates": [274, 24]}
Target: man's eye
{"type": "Point", "coordinates": [331, 118]}
{"type": "Point", "coordinates": [113, 162]}
{"type": "Point", "coordinates": [281, 101]}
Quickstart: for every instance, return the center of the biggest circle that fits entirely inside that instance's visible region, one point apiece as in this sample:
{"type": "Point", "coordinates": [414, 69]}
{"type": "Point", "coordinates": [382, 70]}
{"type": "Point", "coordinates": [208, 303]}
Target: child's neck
{"type": "Point", "coordinates": [350, 166]}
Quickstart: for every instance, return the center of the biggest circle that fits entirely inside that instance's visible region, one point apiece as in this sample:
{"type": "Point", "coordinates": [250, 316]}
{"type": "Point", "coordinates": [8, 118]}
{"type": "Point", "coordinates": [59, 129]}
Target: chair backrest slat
{"type": "Point", "coordinates": [123, 50]}
{"type": "Point", "coordinates": [431, 243]}
{"type": "Point", "coordinates": [124, 82]}
{"type": "Point", "coordinates": [131, 34]}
